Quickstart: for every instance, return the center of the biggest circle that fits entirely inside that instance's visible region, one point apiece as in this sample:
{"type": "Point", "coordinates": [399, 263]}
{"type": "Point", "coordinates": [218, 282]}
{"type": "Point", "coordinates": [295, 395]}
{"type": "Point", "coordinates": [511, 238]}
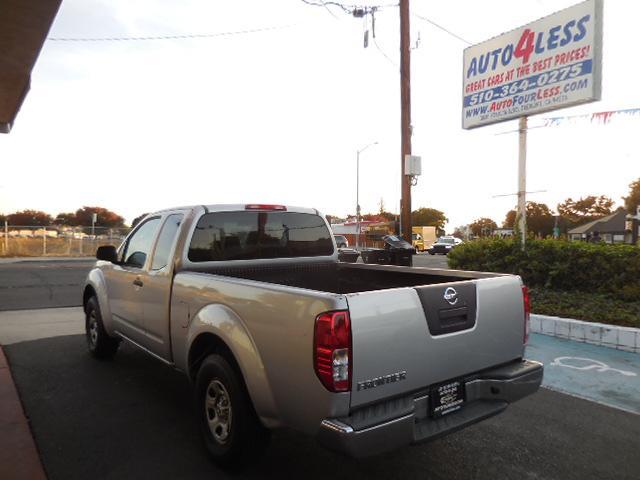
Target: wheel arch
{"type": "Point", "coordinates": [95, 286]}
{"type": "Point", "coordinates": [217, 329]}
{"type": "Point", "coordinates": [88, 292]}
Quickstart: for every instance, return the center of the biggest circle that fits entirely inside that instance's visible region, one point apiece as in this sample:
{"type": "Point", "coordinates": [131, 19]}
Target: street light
{"type": "Point", "coordinates": [358, 152]}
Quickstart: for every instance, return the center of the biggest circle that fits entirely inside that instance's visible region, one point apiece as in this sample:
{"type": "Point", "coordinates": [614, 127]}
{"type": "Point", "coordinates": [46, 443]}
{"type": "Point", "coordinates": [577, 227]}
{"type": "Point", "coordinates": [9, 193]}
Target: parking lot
{"type": "Point", "coordinates": [132, 417]}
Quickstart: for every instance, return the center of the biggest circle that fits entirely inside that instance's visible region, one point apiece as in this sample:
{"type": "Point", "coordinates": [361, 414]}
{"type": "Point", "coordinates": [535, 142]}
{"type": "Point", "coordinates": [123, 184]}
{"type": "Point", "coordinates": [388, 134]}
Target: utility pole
{"type": "Point", "coordinates": [405, 117]}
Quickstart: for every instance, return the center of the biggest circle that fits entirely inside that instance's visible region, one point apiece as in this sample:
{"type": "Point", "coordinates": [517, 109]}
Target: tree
{"type": "Point", "coordinates": [69, 219]}
{"type": "Point", "coordinates": [30, 217]}
{"type": "Point", "coordinates": [540, 219]}
{"type": "Point", "coordinates": [139, 218]}
{"type": "Point", "coordinates": [632, 201]}
{"type": "Point", "coordinates": [429, 217]}
{"type": "Point", "coordinates": [373, 217]}
{"type": "Point", "coordinates": [2, 218]}
{"type": "Point", "coordinates": [106, 218]}
{"type": "Point", "coordinates": [460, 232]}
{"type": "Point", "coordinates": [483, 227]}
{"type": "Point", "coordinates": [510, 219]}
{"type": "Point", "coordinates": [585, 209]}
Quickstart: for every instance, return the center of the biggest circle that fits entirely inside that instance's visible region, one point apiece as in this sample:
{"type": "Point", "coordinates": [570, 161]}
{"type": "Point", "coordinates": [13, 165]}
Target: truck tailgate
{"type": "Point", "coordinates": [407, 339]}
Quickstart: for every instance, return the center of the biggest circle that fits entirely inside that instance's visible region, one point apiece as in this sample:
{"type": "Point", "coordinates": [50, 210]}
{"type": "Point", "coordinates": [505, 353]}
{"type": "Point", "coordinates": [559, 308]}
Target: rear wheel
{"type": "Point", "coordinates": [230, 428]}
{"type": "Point", "coordinates": [100, 344]}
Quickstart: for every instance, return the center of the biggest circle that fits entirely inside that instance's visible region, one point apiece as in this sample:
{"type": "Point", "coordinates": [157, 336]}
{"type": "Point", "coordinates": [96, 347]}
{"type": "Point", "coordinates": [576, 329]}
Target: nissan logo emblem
{"type": "Point", "coordinates": [451, 296]}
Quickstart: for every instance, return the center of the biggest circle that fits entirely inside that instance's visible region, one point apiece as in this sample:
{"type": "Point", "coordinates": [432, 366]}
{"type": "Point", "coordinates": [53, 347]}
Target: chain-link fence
{"type": "Point", "coordinates": [36, 241]}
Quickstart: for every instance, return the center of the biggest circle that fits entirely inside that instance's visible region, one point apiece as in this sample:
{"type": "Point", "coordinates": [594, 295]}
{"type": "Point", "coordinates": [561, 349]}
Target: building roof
{"type": "Point", "coordinates": [24, 25]}
{"type": "Point", "coordinates": [613, 223]}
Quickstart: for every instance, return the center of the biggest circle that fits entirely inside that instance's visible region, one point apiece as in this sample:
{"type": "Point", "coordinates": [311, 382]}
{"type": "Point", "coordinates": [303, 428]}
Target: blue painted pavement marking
{"type": "Point", "coordinates": [601, 374]}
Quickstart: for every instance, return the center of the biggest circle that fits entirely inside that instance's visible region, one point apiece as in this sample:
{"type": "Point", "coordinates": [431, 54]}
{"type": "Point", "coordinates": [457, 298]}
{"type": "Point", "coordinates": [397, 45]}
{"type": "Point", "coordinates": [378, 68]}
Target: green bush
{"type": "Point", "coordinates": [557, 264]}
{"type": "Point", "coordinates": [591, 307]}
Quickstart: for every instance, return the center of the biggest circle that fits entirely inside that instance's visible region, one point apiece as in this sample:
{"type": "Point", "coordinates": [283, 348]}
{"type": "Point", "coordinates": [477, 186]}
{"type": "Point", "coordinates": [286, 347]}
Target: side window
{"type": "Point", "coordinates": [166, 240]}
{"type": "Point", "coordinates": [139, 245]}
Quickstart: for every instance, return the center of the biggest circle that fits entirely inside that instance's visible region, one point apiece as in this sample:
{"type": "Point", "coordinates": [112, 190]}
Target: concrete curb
{"type": "Point", "coordinates": [5, 260]}
{"type": "Point", "coordinates": [612, 336]}
{"type": "Point", "coordinates": [19, 458]}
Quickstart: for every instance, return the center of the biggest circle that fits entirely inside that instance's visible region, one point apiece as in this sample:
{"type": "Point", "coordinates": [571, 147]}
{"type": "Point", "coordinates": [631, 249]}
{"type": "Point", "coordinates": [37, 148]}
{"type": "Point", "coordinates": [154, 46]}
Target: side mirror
{"type": "Point", "coordinates": [108, 253]}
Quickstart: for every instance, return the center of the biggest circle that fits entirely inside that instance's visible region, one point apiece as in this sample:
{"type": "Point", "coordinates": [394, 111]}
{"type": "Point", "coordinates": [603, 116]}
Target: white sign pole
{"type": "Point", "coordinates": [522, 179]}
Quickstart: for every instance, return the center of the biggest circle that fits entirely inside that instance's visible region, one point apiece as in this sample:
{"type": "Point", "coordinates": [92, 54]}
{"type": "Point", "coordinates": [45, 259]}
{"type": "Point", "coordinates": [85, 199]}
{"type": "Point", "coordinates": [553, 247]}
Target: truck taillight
{"type": "Point", "coordinates": [527, 313]}
{"type": "Point", "coordinates": [332, 350]}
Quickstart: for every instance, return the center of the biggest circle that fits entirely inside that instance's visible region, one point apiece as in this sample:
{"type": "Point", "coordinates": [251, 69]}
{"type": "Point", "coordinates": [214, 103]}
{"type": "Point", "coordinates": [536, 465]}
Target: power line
{"type": "Point", "coordinates": [454, 35]}
{"type": "Point", "coordinates": [358, 12]}
{"type": "Point", "coordinates": [329, 10]}
{"type": "Point", "coordinates": [375, 42]}
{"type": "Point", "coordinates": [321, 3]}
{"type": "Point", "coordinates": [355, 10]}
{"type": "Point", "coordinates": [167, 37]}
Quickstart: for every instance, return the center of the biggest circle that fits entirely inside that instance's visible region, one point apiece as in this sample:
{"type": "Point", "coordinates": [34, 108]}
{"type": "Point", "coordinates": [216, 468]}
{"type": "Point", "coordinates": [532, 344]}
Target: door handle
{"type": "Point", "coordinates": [138, 283]}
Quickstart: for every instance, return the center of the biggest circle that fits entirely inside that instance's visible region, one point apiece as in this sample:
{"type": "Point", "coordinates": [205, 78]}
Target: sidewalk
{"type": "Point", "coordinates": [19, 458]}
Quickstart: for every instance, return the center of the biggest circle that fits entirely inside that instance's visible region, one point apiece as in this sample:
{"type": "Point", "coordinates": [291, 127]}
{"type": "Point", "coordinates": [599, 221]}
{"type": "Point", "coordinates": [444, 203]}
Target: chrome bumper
{"type": "Point", "coordinates": [404, 421]}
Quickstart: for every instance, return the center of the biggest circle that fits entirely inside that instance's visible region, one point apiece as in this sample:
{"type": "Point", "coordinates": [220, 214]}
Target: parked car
{"type": "Point", "coordinates": [443, 245]}
{"type": "Point", "coordinates": [252, 304]}
{"type": "Point", "coordinates": [341, 241]}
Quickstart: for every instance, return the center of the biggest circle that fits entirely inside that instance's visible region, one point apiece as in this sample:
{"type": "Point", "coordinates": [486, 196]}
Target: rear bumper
{"type": "Point", "coordinates": [386, 426]}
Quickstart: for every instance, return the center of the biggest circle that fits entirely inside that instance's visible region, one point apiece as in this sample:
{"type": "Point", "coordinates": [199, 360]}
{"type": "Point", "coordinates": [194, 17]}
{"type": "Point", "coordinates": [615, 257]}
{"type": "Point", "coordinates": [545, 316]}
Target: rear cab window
{"type": "Point", "coordinates": [250, 235]}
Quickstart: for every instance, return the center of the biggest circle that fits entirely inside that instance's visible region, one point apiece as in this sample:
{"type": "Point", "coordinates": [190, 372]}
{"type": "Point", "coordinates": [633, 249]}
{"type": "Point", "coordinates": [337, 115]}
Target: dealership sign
{"type": "Point", "coordinates": [552, 63]}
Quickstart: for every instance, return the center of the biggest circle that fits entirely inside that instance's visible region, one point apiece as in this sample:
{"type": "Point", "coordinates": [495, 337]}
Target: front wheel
{"type": "Point", "coordinates": [230, 428]}
{"type": "Point", "coordinates": [100, 344]}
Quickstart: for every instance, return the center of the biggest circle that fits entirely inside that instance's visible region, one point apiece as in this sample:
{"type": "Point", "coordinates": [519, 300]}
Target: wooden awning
{"type": "Point", "coordinates": [24, 25]}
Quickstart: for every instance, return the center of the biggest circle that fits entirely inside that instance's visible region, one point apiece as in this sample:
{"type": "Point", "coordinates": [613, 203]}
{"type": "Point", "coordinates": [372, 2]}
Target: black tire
{"type": "Point", "coordinates": [100, 344]}
{"type": "Point", "coordinates": [432, 253]}
{"type": "Point", "coordinates": [222, 396]}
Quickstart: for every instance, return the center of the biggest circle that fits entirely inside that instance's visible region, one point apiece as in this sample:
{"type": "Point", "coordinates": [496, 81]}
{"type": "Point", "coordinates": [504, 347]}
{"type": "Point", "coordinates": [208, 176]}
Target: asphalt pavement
{"type": "Point", "coordinates": [133, 418]}
{"type": "Point", "coordinates": [42, 284]}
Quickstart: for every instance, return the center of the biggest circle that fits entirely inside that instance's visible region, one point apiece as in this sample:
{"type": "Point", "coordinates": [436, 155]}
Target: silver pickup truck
{"type": "Point", "coordinates": [251, 302]}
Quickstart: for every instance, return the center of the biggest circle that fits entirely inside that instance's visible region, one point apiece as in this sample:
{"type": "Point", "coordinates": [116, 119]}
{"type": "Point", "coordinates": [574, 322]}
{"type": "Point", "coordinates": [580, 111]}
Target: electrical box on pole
{"type": "Point", "coordinates": [413, 168]}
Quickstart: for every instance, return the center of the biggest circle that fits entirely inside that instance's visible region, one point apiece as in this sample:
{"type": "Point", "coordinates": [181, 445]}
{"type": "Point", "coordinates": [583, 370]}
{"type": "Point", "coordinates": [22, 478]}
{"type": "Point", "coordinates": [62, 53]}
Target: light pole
{"type": "Point", "coordinates": [358, 152]}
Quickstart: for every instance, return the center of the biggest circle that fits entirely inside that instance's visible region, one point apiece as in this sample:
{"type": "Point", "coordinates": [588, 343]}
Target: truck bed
{"type": "Point", "coordinates": [405, 307]}
{"type": "Point", "coordinates": [345, 278]}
